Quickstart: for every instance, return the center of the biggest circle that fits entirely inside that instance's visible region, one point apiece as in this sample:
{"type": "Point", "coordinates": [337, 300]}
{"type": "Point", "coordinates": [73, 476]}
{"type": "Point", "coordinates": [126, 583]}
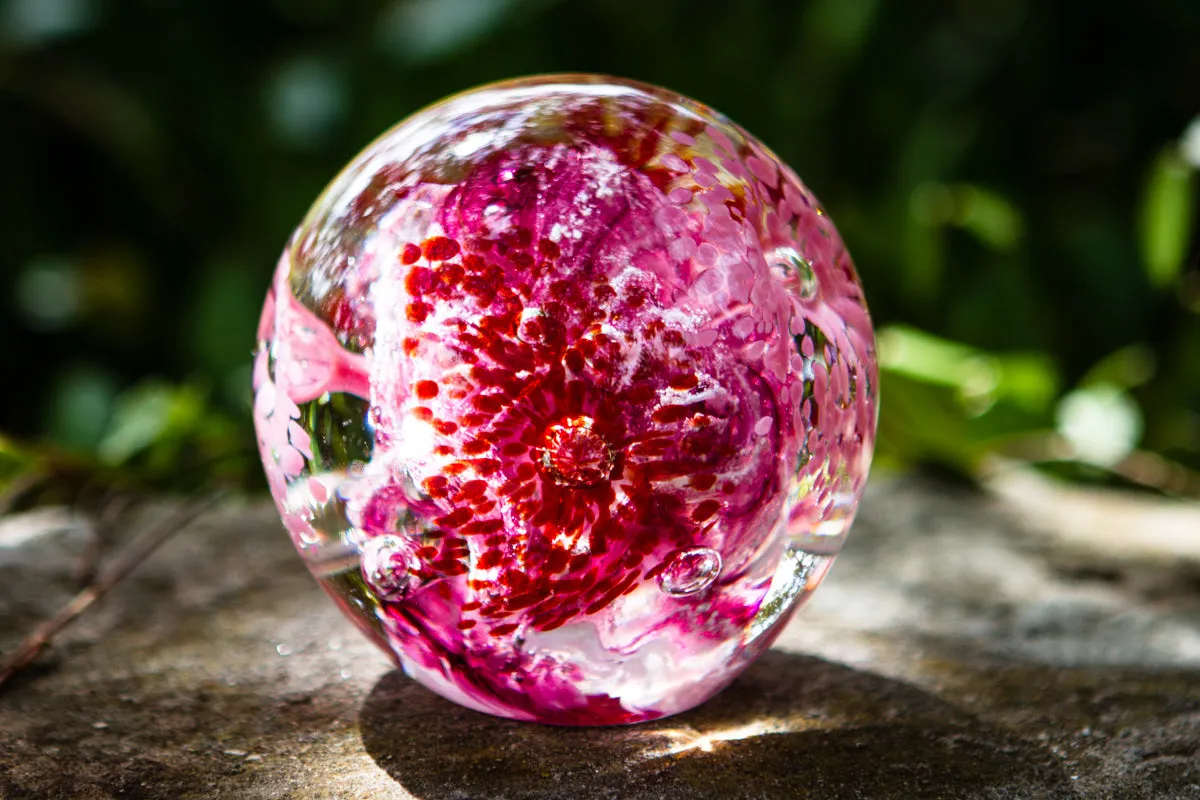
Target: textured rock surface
{"type": "Point", "coordinates": [1030, 642]}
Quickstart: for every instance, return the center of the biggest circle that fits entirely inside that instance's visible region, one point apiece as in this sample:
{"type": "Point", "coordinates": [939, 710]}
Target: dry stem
{"type": "Point", "coordinates": [137, 552]}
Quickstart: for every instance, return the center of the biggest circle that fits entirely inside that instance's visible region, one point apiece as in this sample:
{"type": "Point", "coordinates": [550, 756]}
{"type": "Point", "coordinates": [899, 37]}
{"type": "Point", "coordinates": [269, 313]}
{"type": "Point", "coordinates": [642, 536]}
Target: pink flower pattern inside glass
{"type": "Point", "coordinates": [566, 392]}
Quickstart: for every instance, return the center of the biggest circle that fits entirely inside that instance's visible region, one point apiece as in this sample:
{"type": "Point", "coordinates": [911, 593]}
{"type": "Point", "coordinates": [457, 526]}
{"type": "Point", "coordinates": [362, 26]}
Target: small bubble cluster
{"type": "Point", "coordinates": [556, 386]}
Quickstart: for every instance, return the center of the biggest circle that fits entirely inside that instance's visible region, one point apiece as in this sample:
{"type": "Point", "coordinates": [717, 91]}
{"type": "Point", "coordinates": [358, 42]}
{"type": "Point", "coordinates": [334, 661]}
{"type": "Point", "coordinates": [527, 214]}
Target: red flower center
{"type": "Point", "coordinates": [572, 454]}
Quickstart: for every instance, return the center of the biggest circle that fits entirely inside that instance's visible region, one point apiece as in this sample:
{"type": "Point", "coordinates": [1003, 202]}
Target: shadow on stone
{"type": "Point", "coordinates": [154, 736]}
{"type": "Point", "coordinates": [790, 726]}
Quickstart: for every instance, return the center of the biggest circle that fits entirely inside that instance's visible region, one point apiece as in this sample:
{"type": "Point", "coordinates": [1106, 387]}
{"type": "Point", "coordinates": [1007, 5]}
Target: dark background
{"type": "Point", "coordinates": [1012, 176]}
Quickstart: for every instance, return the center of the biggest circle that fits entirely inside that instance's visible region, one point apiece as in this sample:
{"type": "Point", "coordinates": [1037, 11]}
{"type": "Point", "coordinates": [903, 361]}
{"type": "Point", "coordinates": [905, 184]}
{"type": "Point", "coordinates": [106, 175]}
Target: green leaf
{"type": "Point", "coordinates": [922, 422]}
{"type": "Point", "coordinates": [1126, 368]}
{"type": "Point", "coordinates": [932, 208]}
{"type": "Point", "coordinates": [14, 462]}
{"type": "Point", "coordinates": [147, 414]}
{"type": "Point", "coordinates": [82, 405]}
{"type": "Point", "coordinates": [1166, 218]}
{"type": "Point", "coordinates": [992, 219]}
{"type": "Point", "coordinates": [923, 246]}
{"type": "Point", "coordinates": [953, 404]}
{"type": "Point", "coordinates": [1028, 379]}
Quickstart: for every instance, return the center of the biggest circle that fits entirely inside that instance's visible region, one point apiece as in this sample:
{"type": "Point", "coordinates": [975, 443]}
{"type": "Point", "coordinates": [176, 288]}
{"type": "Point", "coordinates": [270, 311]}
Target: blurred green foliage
{"type": "Point", "coordinates": [1016, 179]}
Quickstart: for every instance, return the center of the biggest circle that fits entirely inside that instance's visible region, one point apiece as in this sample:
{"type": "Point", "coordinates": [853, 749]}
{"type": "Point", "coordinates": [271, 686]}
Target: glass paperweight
{"type": "Point", "coordinates": [566, 391]}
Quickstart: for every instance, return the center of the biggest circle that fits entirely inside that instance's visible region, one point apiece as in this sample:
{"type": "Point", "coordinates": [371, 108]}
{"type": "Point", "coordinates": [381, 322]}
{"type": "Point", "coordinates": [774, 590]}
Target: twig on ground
{"type": "Point", "coordinates": [102, 526]}
{"type": "Point", "coordinates": [137, 552]}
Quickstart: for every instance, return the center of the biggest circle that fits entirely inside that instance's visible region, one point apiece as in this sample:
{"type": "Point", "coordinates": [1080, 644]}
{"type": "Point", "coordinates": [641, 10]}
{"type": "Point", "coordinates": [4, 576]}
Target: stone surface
{"type": "Point", "coordinates": [1013, 643]}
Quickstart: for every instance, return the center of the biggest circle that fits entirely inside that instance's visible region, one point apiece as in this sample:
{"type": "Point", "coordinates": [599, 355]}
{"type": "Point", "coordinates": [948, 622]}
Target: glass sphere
{"type": "Point", "coordinates": [565, 389]}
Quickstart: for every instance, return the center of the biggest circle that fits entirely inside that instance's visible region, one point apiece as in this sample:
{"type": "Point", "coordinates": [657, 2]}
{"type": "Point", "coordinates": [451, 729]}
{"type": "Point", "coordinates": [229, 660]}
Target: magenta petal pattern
{"type": "Point", "coordinates": [566, 392]}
